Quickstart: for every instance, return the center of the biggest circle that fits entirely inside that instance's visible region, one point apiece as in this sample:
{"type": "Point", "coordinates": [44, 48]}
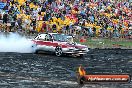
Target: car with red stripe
{"type": "Point", "coordinates": [59, 44]}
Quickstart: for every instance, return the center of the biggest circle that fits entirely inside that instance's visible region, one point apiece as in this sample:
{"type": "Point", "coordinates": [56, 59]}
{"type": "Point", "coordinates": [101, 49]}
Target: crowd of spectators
{"type": "Point", "coordinates": [90, 18]}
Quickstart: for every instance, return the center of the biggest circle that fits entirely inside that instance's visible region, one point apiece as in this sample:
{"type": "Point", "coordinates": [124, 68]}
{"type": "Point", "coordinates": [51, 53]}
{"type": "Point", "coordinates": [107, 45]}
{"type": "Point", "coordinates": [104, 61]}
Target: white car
{"type": "Point", "coordinates": [59, 44]}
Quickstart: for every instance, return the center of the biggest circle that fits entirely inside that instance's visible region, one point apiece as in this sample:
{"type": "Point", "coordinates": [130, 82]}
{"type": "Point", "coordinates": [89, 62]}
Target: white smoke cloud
{"type": "Point", "coordinates": [16, 43]}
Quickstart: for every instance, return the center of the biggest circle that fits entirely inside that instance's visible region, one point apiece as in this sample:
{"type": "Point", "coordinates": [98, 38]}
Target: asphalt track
{"type": "Point", "coordinates": [19, 70]}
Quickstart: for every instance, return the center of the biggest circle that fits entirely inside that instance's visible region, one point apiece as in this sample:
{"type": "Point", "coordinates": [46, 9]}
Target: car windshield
{"type": "Point", "coordinates": [62, 37]}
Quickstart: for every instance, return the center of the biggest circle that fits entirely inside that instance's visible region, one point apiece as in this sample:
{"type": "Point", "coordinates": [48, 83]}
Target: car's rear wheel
{"type": "Point", "coordinates": [58, 51]}
{"type": "Point", "coordinates": [36, 52]}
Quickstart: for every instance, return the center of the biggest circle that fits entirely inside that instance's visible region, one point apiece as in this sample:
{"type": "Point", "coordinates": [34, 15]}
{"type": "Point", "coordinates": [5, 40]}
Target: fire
{"type": "Point", "coordinates": [81, 71]}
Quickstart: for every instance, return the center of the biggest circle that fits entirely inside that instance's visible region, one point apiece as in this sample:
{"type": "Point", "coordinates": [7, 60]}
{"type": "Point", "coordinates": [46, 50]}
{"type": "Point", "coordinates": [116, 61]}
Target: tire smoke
{"type": "Point", "coordinates": [13, 42]}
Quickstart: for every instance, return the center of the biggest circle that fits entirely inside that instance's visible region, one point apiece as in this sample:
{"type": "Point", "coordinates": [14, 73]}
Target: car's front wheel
{"type": "Point", "coordinates": [81, 55]}
{"type": "Point", "coordinates": [58, 51]}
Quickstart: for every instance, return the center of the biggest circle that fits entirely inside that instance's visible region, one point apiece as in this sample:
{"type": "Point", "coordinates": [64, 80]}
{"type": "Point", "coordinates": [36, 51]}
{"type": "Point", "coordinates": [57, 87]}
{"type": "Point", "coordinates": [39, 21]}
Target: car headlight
{"type": "Point", "coordinates": [85, 49]}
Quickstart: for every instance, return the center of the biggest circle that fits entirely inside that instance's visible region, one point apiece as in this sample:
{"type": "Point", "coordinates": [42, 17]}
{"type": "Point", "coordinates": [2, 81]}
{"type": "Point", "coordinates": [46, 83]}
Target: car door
{"type": "Point", "coordinates": [40, 41]}
{"type": "Point", "coordinates": [48, 42]}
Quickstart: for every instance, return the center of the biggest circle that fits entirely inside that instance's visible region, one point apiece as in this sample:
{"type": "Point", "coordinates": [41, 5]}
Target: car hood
{"type": "Point", "coordinates": [79, 46]}
{"type": "Point", "coordinates": [76, 45]}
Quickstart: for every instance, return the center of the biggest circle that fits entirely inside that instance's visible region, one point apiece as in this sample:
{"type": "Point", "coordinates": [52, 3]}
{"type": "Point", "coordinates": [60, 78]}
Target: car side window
{"type": "Point", "coordinates": [40, 37]}
{"type": "Point", "coordinates": [48, 37]}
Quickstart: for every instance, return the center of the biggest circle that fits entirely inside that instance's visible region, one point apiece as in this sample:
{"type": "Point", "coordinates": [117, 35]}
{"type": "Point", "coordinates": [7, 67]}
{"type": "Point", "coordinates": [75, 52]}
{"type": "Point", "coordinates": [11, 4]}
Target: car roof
{"type": "Point", "coordinates": [42, 34]}
{"type": "Point", "coordinates": [53, 34]}
{"type": "Point", "coordinates": [47, 33]}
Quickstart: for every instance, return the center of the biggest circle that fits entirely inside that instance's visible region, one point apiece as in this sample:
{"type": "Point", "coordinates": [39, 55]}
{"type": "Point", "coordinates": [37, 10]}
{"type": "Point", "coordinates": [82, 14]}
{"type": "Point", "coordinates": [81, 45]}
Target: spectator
{"type": "Point", "coordinates": [5, 18]}
{"type": "Point", "coordinates": [113, 17]}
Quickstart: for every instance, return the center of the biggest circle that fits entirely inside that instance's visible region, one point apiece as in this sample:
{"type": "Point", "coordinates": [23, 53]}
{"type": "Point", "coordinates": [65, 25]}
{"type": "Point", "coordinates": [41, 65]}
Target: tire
{"type": "Point", "coordinates": [58, 51]}
{"type": "Point", "coordinates": [81, 55]}
{"type": "Point", "coordinates": [36, 52]}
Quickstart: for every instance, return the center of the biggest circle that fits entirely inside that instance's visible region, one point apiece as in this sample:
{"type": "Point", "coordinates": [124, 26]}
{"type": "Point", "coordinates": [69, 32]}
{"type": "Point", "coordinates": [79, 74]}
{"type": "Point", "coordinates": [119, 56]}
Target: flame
{"type": "Point", "coordinates": [81, 70]}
